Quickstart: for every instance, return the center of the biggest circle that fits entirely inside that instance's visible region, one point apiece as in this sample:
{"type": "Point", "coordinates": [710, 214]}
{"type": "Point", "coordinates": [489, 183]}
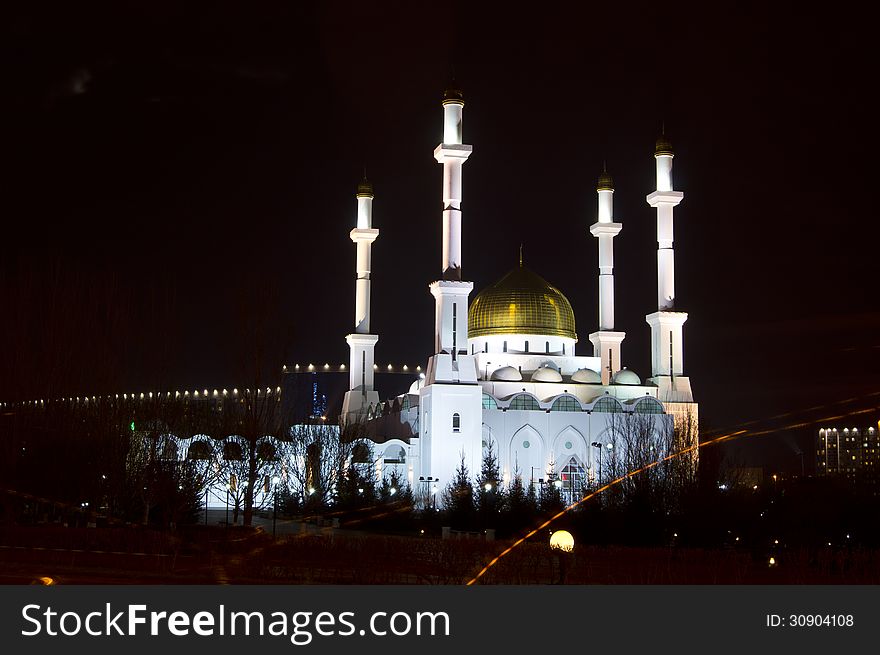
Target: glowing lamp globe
{"type": "Point", "coordinates": [562, 540]}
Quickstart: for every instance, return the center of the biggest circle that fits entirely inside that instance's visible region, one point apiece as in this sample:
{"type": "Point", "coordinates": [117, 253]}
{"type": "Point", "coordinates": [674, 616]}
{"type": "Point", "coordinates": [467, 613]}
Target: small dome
{"type": "Point", "coordinates": [365, 188]}
{"type": "Point", "coordinates": [663, 146]}
{"type": "Point", "coordinates": [605, 182]}
{"type": "Point", "coordinates": [625, 376]}
{"type": "Point", "coordinates": [586, 376]}
{"type": "Point", "coordinates": [453, 94]}
{"type": "Point", "coordinates": [507, 374]}
{"type": "Point", "coordinates": [546, 374]}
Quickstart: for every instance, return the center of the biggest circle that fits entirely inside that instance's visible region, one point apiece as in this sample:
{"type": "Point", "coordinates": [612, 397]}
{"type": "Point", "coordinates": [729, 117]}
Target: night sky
{"type": "Point", "coordinates": [180, 177]}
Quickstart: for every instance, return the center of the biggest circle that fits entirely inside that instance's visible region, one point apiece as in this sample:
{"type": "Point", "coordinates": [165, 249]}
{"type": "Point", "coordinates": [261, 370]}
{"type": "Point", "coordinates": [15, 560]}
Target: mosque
{"type": "Point", "coordinates": [505, 374]}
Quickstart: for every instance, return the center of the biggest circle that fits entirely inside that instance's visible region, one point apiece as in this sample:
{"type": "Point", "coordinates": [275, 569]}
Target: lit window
{"type": "Point", "coordinates": [565, 404]}
{"type": "Point", "coordinates": [524, 401]}
{"type": "Point", "coordinates": [648, 406]}
{"type": "Point", "coordinates": [456, 422]}
{"type": "Point", "coordinates": [574, 481]}
{"type": "Point", "coordinates": [607, 404]}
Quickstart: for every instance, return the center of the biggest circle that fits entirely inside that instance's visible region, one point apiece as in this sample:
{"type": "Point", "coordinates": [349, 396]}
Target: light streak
{"type": "Point", "coordinates": [737, 434]}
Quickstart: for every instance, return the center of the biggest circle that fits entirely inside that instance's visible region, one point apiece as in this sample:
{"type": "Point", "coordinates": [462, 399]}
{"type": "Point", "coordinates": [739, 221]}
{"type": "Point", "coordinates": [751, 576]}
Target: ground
{"type": "Point", "coordinates": [305, 553]}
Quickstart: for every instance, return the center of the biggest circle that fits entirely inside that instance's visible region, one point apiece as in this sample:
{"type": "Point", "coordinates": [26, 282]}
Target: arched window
{"type": "Point", "coordinates": [489, 402]}
{"type": "Point", "coordinates": [394, 455]}
{"type": "Point", "coordinates": [199, 450]}
{"type": "Point", "coordinates": [565, 404]}
{"type": "Point", "coordinates": [169, 449]}
{"type": "Point", "coordinates": [524, 401]}
{"type": "Point", "coordinates": [547, 347]}
{"type": "Point", "coordinates": [266, 451]}
{"type": "Point", "coordinates": [648, 406]}
{"type": "Point", "coordinates": [456, 422]}
{"type": "Point", "coordinates": [505, 346]}
{"type": "Point", "coordinates": [360, 454]}
{"type": "Point", "coordinates": [527, 346]}
{"type": "Point", "coordinates": [232, 451]}
{"type": "Point", "coordinates": [607, 404]}
{"type": "Point", "coordinates": [574, 481]}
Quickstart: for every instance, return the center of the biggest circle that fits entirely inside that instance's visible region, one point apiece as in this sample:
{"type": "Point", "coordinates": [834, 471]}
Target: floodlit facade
{"type": "Point", "coordinates": [505, 373]}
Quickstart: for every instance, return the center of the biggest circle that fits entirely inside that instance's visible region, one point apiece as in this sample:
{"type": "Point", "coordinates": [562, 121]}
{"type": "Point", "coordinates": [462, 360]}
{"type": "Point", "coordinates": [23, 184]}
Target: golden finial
{"type": "Point", "coordinates": [605, 182]}
{"type": "Point", "coordinates": [520, 254]}
{"type": "Point", "coordinates": [365, 189]}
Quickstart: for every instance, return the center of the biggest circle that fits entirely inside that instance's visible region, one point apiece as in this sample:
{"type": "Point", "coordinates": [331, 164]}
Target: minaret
{"type": "Point", "coordinates": [361, 343]}
{"type": "Point", "coordinates": [606, 342]}
{"type": "Point", "coordinates": [666, 324]}
{"type": "Point", "coordinates": [450, 292]}
{"type": "Point", "coordinates": [450, 401]}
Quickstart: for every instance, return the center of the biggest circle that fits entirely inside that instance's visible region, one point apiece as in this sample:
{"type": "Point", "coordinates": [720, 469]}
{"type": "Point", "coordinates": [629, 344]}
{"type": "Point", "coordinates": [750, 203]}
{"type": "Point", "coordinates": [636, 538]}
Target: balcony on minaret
{"type": "Point", "coordinates": [452, 151]}
{"type": "Point", "coordinates": [657, 198]}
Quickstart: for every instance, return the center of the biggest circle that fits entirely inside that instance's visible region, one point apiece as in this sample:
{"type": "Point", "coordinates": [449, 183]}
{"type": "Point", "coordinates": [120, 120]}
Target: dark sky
{"type": "Point", "coordinates": [175, 173]}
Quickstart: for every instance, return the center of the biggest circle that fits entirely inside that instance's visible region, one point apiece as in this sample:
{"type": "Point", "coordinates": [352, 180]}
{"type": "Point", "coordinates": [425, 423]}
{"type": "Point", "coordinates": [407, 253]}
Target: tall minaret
{"type": "Point", "coordinates": [450, 292]}
{"type": "Point", "coordinates": [450, 401]}
{"type": "Point", "coordinates": [606, 342]}
{"type": "Point", "coordinates": [361, 343]}
{"type": "Point", "coordinates": [666, 324]}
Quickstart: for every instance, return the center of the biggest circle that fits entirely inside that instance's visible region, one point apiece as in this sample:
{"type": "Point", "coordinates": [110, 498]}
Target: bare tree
{"type": "Point", "coordinates": [256, 426]}
{"type": "Point", "coordinates": [318, 456]}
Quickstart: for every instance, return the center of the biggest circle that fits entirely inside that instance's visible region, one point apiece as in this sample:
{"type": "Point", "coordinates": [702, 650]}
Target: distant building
{"type": "Point", "coordinates": [852, 453]}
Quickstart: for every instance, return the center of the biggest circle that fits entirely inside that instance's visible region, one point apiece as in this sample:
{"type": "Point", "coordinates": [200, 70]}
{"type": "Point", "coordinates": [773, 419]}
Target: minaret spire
{"type": "Point", "coordinates": [361, 342]}
{"type": "Point", "coordinates": [606, 342]}
{"type": "Point", "coordinates": [666, 324]}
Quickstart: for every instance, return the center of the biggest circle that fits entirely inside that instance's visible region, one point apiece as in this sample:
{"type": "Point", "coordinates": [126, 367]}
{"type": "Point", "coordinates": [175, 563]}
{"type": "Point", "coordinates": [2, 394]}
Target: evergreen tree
{"type": "Point", "coordinates": [520, 507]}
{"type": "Point", "coordinates": [458, 498]}
{"type": "Point", "coordinates": [551, 497]}
{"type": "Point", "coordinates": [394, 489]}
{"type": "Point", "coordinates": [355, 489]}
{"type": "Point", "coordinates": [490, 494]}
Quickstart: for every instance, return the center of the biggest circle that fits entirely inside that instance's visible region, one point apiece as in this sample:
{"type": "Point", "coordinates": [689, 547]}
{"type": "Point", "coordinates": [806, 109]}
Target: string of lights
{"type": "Point", "coordinates": [389, 368]}
{"type": "Point", "coordinates": [206, 393]}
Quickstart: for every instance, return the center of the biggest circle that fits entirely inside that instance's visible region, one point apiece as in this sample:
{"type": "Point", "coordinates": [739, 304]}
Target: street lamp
{"type": "Point", "coordinates": [227, 506]}
{"type": "Point", "coordinates": [275, 481]}
{"type": "Point", "coordinates": [596, 444]}
{"type": "Point", "coordinates": [562, 540]}
{"type": "Point", "coordinates": [532, 480]}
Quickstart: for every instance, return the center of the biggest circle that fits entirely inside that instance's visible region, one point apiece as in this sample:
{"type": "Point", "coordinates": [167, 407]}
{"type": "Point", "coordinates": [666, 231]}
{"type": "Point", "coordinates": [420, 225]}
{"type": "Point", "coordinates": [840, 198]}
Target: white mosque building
{"type": "Point", "coordinates": [505, 372]}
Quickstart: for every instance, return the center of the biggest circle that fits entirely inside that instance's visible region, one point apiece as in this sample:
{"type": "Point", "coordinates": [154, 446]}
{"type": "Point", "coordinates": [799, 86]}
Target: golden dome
{"type": "Point", "coordinates": [663, 146]}
{"type": "Point", "coordinates": [365, 189]}
{"type": "Point", "coordinates": [521, 302]}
